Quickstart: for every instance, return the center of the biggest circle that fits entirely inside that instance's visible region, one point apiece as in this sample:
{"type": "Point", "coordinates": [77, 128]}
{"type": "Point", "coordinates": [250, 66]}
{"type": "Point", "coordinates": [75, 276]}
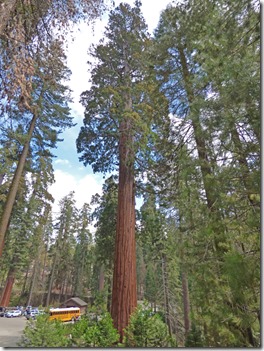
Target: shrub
{"type": "Point", "coordinates": [84, 333]}
{"type": "Point", "coordinates": [95, 333]}
{"type": "Point", "coordinates": [194, 337]}
{"type": "Point", "coordinates": [146, 329]}
{"type": "Point", "coordinates": [44, 333]}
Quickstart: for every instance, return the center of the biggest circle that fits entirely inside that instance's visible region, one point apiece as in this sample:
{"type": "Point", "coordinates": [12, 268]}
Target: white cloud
{"type": "Point", "coordinates": [77, 57]}
{"type": "Point", "coordinates": [62, 162]}
{"type": "Point", "coordinates": [84, 188]}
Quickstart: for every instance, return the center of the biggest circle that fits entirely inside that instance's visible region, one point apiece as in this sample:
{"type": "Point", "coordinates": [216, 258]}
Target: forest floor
{"type": "Point", "coordinates": [11, 330]}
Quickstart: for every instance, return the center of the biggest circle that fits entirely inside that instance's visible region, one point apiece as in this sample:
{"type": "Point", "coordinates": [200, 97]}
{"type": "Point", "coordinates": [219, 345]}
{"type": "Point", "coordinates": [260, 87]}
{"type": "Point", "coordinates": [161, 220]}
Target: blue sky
{"type": "Point", "coordinates": [70, 174]}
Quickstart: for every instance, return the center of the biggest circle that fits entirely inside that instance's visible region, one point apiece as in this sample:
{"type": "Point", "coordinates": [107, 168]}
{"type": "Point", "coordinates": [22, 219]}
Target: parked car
{"type": "Point", "coordinates": [13, 313]}
{"type": "Point", "coordinates": [2, 311]}
{"type": "Point", "coordinates": [21, 308]}
{"type": "Point", "coordinates": [33, 314]}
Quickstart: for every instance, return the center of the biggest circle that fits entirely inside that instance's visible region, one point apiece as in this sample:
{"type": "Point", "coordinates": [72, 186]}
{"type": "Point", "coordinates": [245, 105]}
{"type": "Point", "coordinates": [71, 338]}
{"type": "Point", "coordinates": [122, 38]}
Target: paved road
{"type": "Point", "coordinates": [11, 330]}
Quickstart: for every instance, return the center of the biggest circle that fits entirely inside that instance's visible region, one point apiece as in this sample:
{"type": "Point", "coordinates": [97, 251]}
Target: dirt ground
{"type": "Point", "coordinates": [11, 330]}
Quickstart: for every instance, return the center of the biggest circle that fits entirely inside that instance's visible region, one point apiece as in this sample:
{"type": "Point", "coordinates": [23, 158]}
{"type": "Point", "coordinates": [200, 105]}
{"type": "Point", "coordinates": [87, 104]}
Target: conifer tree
{"type": "Point", "coordinates": [82, 255]}
{"type": "Point", "coordinates": [41, 124]}
{"type": "Point", "coordinates": [200, 70]}
{"type": "Point", "coordinates": [64, 247]}
{"type": "Point", "coordinates": [116, 132]}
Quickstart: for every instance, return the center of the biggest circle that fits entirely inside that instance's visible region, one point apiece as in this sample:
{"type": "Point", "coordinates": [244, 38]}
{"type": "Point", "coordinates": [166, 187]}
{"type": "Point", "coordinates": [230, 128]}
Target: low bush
{"type": "Point", "coordinates": [44, 333]}
{"type": "Point", "coordinates": [146, 329]}
{"type": "Point", "coordinates": [84, 333]}
{"type": "Point", "coordinates": [95, 333]}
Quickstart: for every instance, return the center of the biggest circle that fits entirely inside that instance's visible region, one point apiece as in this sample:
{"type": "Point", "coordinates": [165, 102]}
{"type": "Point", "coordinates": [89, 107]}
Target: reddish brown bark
{"type": "Point", "coordinates": [124, 292]}
{"type": "Point", "coordinates": [8, 288]}
{"type": "Point", "coordinates": [14, 186]}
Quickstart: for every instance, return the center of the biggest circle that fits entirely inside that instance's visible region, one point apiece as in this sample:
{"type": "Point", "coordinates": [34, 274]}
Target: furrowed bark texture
{"type": "Point", "coordinates": [124, 292]}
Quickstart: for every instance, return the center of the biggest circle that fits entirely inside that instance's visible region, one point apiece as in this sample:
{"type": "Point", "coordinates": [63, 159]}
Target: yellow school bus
{"type": "Point", "coordinates": [65, 314]}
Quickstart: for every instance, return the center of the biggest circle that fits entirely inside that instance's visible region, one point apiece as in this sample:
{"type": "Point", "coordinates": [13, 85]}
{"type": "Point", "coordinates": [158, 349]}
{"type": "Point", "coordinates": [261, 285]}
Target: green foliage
{"type": "Point", "coordinates": [94, 333]}
{"type": "Point", "coordinates": [105, 213]}
{"type": "Point", "coordinates": [153, 282]}
{"type": "Point", "coordinates": [146, 329]}
{"type": "Point", "coordinates": [122, 75]}
{"type": "Point", "coordinates": [44, 333]}
{"type": "Point", "coordinates": [201, 68]}
{"type": "Point", "coordinates": [83, 253]}
{"type": "Point", "coordinates": [85, 333]}
{"type": "Point", "coordinates": [194, 337]}
{"type": "Point", "coordinates": [99, 306]}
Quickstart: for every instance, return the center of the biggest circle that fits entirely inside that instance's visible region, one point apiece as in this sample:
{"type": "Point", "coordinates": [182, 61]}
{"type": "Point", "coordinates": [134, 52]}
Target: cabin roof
{"type": "Point", "coordinates": [76, 301]}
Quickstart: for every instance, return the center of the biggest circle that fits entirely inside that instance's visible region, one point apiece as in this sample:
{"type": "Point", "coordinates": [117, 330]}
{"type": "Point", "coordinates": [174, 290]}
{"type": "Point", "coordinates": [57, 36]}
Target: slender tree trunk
{"type": "Point", "coordinates": [36, 270]}
{"type": "Point", "coordinates": [8, 288]}
{"type": "Point", "coordinates": [186, 303]}
{"type": "Point", "coordinates": [65, 283]}
{"type": "Point", "coordinates": [251, 337]}
{"type": "Point", "coordinates": [8, 207]}
{"type": "Point", "coordinates": [32, 285]}
{"type": "Point", "coordinates": [73, 290]}
{"type": "Point", "coordinates": [78, 282]}
{"type": "Point", "coordinates": [109, 295]}
{"type": "Point", "coordinates": [166, 291]}
{"type": "Point", "coordinates": [54, 263]}
{"type": "Point", "coordinates": [24, 286]}
{"type": "Point", "coordinates": [44, 277]}
{"type": "Point", "coordinates": [198, 135]}
{"type": "Point", "coordinates": [101, 278]}
{"type": "Point", "coordinates": [124, 292]}
{"type": "Point", "coordinates": [61, 290]}
{"type": "Point", "coordinates": [51, 280]}
{"type": "Point", "coordinates": [206, 167]}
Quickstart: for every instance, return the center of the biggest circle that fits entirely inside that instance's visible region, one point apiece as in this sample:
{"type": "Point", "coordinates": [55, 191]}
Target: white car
{"type": "Point", "coordinates": [33, 314]}
{"type": "Point", "coordinates": [13, 313]}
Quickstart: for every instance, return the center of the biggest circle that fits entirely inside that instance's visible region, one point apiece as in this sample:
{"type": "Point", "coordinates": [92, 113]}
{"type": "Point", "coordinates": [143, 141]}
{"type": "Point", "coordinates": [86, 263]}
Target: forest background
{"type": "Point", "coordinates": [178, 112]}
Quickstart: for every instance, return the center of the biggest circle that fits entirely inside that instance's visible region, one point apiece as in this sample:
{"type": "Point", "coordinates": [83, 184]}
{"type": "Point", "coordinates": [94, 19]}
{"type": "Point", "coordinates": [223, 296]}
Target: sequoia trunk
{"type": "Point", "coordinates": [124, 292]}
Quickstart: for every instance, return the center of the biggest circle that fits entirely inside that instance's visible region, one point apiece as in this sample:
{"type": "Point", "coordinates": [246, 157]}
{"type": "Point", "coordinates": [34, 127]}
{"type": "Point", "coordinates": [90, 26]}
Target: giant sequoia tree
{"type": "Point", "coordinates": [116, 132]}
